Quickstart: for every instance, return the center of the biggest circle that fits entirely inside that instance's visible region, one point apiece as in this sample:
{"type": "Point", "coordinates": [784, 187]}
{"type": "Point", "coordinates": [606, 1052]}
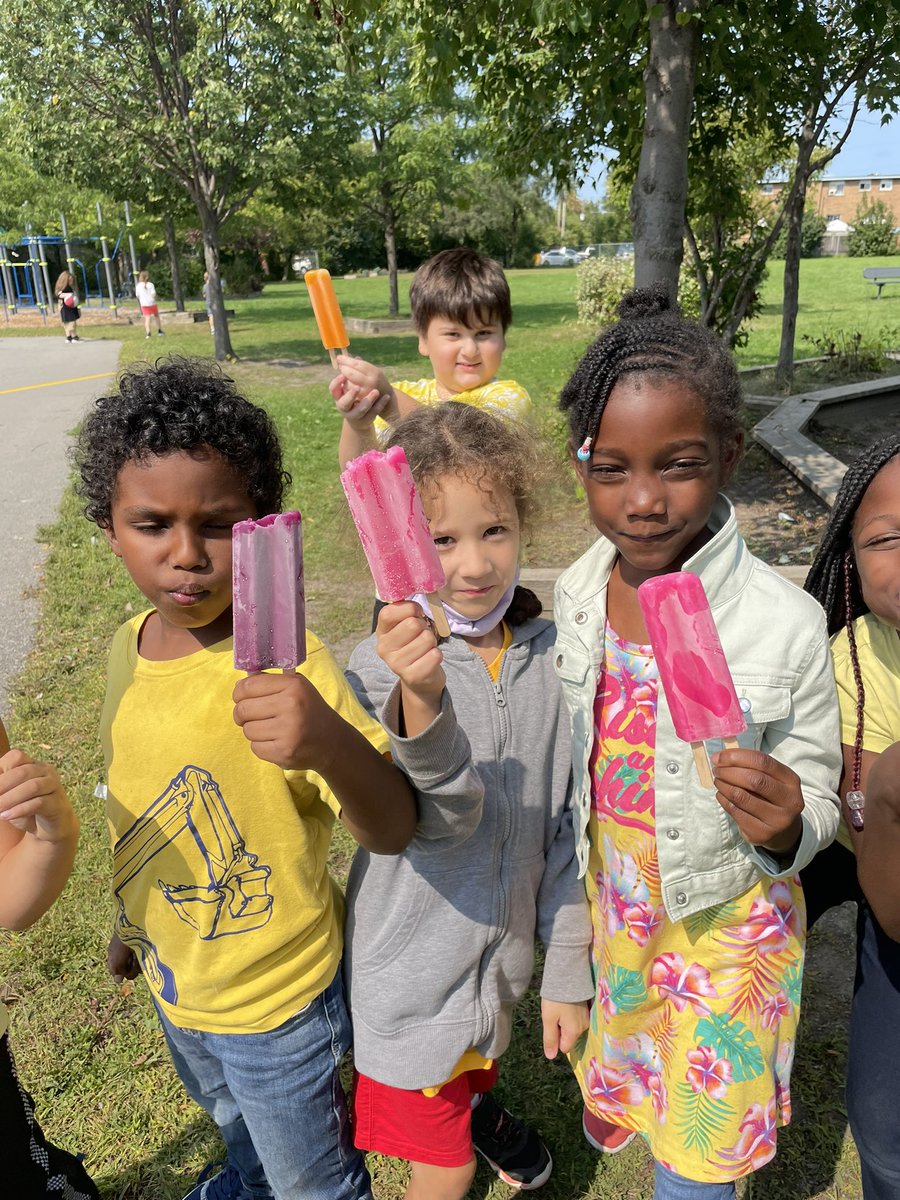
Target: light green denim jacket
{"type": "Point", "coordinates": [775, 642]}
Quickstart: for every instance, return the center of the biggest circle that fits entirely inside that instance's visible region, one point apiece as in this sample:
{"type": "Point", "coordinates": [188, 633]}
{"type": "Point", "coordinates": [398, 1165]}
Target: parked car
{"type": "Point", "coordinates": [560, 257]}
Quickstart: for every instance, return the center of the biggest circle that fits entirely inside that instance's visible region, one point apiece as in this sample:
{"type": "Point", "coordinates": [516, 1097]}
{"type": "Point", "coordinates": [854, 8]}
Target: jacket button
{"type": "Point", "coordinates": [672, 768]}
{"type": "Point", "coordinates": [559, 660]}
{"type": "Point", "coordinates": [580, 618]}
{"type": "Point", "coordinates": [673, 835]}
{"type": "Point", "coordinates": [745, 704]}
{"type": "Point", "coordinates": [681, 897]}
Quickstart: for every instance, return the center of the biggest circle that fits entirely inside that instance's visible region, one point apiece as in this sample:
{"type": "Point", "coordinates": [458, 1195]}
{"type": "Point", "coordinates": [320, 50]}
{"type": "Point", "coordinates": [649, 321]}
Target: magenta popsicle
{"type": "Point", "coordinates": [393, 529]}
{"type": "Point", "coordinates": [268, 602]}
{"type": "Point", "coordinates": [695, 676]}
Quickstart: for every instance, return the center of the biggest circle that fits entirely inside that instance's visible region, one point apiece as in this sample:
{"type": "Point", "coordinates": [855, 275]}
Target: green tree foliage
{"type": "Point", "coordinates": [873, 230]}
{"type": "Point", "coordinates": [219, 98]}
{"type": "Point", "coordinates": [405, 158]}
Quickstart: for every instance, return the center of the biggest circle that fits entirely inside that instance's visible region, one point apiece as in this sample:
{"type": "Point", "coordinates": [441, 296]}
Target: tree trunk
{"type": "Point", "coordinates": [390, 248]}
{"type": "Point", "coordinates": [222, 336]}
{"type": "Point", "coordinates": [659, 196]}
{"type": "Point", "coordinates": [784, 370]}
{"type": "Point", "coordinates": [177, 290]}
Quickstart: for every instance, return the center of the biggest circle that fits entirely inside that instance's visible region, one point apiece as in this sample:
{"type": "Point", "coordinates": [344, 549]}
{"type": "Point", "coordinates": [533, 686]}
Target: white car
{"type": "Point", "coordinates": [560, 257]}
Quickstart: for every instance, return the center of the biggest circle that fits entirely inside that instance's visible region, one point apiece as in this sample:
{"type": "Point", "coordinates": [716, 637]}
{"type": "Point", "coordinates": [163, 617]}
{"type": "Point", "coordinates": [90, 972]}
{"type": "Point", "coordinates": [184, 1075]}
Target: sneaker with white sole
{"type": "Point", "coordinates": [604, 1135]}
{"type": "Point", "coordinates": [513, 1150]}
{"type": "Point", "coordinates": [225, 1184]}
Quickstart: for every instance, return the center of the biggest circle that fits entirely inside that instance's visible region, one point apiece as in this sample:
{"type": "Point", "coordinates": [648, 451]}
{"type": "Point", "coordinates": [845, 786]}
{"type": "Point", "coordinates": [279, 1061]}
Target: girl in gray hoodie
{"type": "Point", "coordinates": [440, 938]}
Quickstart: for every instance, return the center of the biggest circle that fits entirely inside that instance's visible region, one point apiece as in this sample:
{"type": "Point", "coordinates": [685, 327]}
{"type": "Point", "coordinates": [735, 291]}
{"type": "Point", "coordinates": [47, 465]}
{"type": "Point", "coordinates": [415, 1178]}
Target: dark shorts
{"type": "Point", "coordinates": [68, 315]}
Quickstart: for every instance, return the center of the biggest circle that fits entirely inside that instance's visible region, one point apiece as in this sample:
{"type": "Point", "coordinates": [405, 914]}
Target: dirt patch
{"type": "Point", "coordinates": [845, 430]}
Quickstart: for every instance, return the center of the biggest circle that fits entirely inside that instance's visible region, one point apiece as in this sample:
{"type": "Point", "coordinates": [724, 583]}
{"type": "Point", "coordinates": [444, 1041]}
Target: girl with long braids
{"type": "Point", "coordinates": [698, 916]}
{"type": "Point", "coordinates": [856, 577]}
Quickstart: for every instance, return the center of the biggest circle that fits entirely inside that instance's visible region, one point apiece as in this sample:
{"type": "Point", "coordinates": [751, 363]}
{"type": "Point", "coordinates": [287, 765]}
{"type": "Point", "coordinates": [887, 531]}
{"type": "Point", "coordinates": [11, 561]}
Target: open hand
{"type": "Point", "coordinates": [563, 1025]}
{"type": "Point", "coordinates": [33, 800]}
{"type": "Point", "coordinates": [762, 796]}
{"type": "Point", "coordinates": [286, 721]}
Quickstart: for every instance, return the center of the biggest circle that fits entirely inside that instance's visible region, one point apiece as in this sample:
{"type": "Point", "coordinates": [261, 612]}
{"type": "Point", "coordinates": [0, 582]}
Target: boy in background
{"type": "Point", "coordinates": [461, 308]}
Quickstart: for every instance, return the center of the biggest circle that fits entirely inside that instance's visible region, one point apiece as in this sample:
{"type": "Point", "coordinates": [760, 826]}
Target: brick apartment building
{"type": "Point", "coordinates": [836, 198]}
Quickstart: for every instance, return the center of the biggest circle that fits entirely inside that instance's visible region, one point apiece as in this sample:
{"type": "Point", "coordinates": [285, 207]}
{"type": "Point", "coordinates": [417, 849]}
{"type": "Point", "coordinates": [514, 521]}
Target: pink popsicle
{"type": "Point", "coordinates": [268, 602]}
{"type": "Point", "coordinates": [393, 529]}
{"type": "Point", "coordinates": [695, 676]}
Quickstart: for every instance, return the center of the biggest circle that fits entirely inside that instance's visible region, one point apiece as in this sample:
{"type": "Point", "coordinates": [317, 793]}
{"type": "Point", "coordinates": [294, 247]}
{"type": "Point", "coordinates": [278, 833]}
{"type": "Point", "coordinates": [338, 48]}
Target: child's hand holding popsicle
{"type": "Point", "coordinates": [287, 722]}
{"type": "Point", "coordinates": [762, 796]}
{"type": "Point", "coordinates": [408, 645]}
{"type": "Point", "coordinates": [362, 392]}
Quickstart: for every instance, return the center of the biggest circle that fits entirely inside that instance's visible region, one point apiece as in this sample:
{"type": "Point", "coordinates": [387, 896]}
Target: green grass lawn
{"type": "Point", "coordinates": [92, 1053]}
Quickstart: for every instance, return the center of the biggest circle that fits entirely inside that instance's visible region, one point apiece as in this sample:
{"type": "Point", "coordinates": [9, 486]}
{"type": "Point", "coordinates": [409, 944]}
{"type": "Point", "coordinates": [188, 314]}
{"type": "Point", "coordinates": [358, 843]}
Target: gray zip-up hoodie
{"type": "Point", "coordinates": [440, 939]}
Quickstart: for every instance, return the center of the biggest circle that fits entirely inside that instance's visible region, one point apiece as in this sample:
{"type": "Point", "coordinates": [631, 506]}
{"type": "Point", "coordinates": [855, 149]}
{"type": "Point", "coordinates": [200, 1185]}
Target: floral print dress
{"type": "Point", "coordinates": [692, 1029]}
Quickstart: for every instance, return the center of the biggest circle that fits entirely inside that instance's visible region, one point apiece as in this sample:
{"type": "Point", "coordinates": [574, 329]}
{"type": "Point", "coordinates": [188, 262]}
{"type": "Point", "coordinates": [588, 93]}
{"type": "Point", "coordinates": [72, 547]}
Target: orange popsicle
{"type": "Point", "coordinates": [327, 311]}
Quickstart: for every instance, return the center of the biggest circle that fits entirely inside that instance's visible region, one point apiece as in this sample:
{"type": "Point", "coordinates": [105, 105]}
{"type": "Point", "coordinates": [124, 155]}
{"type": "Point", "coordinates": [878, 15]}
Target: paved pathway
{"type": "Point", "coordinates": [45, 386]}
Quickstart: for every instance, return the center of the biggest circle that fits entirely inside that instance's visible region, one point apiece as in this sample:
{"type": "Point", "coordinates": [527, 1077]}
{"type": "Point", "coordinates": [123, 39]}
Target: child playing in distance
{"type": "Point", "coordinates": [145, 293]}
{"type": "Point", "coordinates": [856, 577]}
{"type": "Point", "coordinates": [461, 309]}
{"type": "Point", "coordinates": [38, 837]}
{"type": "Point", "coordinates": [440, 939]}
{"type": "Point", "coordinates": [698, 917]}
{"type": "Point", "coordinates": [66, 292]}
{"type": "Point", "coordinates": [222, 790]}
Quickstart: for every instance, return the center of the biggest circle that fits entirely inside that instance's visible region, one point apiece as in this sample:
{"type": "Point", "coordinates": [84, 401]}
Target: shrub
{"type": "Point", "coordinates": [873, 230]}
{"type": "Point", "coordinates": [812, 230]}
{"type": "Point", "coordinates": [855, 353]}
{"type": "Point", "coordinates": [600, 283]}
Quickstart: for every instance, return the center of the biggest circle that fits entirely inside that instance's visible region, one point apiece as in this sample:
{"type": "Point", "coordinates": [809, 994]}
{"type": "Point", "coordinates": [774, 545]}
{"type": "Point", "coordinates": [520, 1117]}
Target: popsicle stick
{"type": "Point", "coordinates": [332, 354]}
{"type": "Point", "coordinates": [441, 627]}
{"type": "Point", "coordinates": [701, 762]}
{"type": "Point", "coordinates": [731, 743]}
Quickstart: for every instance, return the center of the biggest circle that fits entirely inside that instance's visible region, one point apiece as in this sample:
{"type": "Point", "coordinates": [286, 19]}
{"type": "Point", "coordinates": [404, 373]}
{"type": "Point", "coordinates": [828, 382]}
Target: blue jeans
{"type": "Point", "coordinates": [670, 1186]}
{"type": "Point", "coordinates": [278, 1102]}
{"type": "Point", "coordinates": [873, 1067]}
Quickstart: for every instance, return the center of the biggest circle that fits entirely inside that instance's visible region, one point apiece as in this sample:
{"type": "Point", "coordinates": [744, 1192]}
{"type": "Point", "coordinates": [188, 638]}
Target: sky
{"type": "Point", "coordinates": [871, 149]}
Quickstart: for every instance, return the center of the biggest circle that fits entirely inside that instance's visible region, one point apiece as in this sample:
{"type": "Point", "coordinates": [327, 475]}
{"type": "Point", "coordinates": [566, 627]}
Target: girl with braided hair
{"type": "Point", "coordinates": [698, 915]}
{"type": "Point", "coordinates": [856, 577]}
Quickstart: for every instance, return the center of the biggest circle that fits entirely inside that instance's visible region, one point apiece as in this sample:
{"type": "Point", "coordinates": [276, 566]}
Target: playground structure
{"type": "Point", "coordinates": [29, 269]}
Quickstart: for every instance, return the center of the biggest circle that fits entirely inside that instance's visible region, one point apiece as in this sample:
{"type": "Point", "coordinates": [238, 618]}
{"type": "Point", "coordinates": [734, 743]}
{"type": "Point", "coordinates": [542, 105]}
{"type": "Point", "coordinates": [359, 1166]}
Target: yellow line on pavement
{"type": "Point", "coordinates": [56, 382]}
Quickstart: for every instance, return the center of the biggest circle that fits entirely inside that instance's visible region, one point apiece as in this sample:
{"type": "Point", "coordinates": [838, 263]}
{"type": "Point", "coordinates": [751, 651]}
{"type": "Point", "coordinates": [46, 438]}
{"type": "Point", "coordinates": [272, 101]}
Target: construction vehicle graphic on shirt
{"type": "Point", "coordinates": [192, 816]}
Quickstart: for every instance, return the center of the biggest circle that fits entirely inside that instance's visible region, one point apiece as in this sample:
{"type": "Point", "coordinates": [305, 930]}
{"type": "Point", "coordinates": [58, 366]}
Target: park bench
{"type": "Point", "coordinates": [880, 276]}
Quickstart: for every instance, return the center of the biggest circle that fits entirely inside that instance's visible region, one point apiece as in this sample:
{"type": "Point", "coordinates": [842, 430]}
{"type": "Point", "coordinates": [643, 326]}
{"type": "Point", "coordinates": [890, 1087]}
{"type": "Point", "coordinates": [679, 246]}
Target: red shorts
{"type": "Point", "coordinates": [150, 310]}
{"type": "Point", "coordinates": [436, 1130]}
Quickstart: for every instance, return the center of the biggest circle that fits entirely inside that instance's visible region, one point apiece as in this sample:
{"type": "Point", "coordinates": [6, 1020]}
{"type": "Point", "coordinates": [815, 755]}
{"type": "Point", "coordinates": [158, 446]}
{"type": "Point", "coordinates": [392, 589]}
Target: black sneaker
{"type": "Point", "coordinates": [514, 1151]}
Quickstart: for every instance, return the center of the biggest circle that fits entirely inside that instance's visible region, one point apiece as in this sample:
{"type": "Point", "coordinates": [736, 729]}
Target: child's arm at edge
{"type": "Point", "coordinates": [38, 850]}
{"type": "Point", "coordinates": [878, 843]}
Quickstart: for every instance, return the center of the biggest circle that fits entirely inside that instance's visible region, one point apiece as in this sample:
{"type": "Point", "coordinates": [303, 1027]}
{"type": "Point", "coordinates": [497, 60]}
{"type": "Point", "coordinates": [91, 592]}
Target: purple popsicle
{"type": "Point", "coordinates": [268, 601]}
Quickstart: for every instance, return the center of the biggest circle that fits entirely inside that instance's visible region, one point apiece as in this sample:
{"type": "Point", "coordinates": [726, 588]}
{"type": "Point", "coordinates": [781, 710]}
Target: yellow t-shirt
{"type": "Point", "coordinates": [220, 876]}
{"type": "Point", "coordinates": [502, 396]}
{"type": "Point", "coordinates": [878, 651]}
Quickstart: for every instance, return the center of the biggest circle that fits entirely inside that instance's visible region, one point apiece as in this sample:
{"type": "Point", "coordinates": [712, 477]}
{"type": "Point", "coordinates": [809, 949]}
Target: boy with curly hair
{"type": "Point", "coordinates": [222, 790]}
